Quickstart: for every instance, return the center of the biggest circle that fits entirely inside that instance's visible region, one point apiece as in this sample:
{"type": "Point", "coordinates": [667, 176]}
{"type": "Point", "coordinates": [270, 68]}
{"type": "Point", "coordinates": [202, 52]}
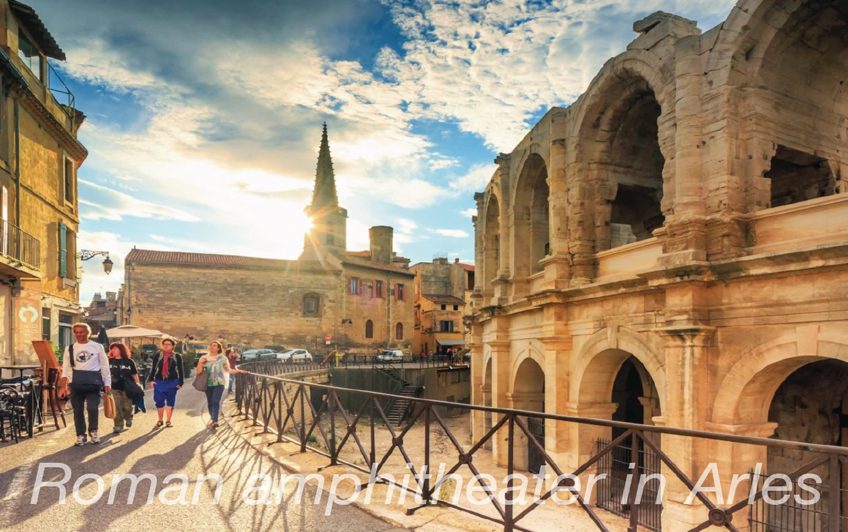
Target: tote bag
{"type": "Point", "coordinates": [201, 381]}
{"type": "Point", "coordinates": [108, 405]}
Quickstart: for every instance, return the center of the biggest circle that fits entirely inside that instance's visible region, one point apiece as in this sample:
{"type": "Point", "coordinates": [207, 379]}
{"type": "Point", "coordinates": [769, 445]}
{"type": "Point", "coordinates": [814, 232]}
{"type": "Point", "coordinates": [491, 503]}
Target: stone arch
{"type": "Point", "coordinates": [625, 130]}
{"type": "Point", "coordinates": [598, 361]}
{"type": "Point", "coordinates": [744, 395]}
{"type": "Point", "coordinates": [531, 215]}
{"type": "Point", "coordinates": [788, 55]}
{"type": "Point", "coordinates": [491, 249]}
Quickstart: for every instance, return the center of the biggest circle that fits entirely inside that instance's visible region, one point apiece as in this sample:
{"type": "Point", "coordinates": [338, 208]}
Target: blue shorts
{"type": "Point", "coordinates": [165, 393]}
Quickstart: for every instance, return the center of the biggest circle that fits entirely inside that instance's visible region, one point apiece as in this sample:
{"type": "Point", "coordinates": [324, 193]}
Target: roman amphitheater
{"type": "Point", "coordinates": [672, 248]}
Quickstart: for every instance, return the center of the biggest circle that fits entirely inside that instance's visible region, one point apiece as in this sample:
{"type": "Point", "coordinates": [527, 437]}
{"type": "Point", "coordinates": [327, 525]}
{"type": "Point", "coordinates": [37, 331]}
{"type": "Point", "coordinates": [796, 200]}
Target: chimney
{"type": "Point", "coordinates": [380, 237]}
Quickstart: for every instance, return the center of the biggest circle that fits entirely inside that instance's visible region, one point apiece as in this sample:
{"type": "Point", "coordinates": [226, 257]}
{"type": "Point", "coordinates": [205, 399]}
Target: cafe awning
{"type": "Point", "coordinates": [131, 331]}
{"type": "Point", "coordinates": [450, 343]}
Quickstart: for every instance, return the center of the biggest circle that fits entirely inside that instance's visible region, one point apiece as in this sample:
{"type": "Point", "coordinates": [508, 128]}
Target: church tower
{"type": "Point", "coordinates": [328, 235]}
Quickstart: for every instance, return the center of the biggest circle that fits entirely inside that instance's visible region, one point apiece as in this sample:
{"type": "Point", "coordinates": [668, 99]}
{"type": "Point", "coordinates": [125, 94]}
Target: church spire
{"type": "Point", "coordinates": [324, 194]}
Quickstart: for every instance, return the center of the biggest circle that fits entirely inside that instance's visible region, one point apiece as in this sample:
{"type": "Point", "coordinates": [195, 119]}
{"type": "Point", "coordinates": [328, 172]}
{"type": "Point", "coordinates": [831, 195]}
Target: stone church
{"type": "Point", "coordinates": [329, 297]}
{"type": "Point", "coordinates": [672, 248]}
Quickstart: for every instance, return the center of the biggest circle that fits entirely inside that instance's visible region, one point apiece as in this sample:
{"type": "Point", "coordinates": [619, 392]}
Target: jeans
{"type": "Point", "coordinates": [231, 385]}
{"type": "Point", "coordinates": [213, 401]}
{"type": "Point", "coordinates": [85, 398]}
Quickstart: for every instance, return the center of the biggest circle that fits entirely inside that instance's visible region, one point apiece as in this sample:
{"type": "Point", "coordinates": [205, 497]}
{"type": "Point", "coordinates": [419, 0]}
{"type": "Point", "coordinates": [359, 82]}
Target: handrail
{"type": "Point", "coordinates": [20, 245]}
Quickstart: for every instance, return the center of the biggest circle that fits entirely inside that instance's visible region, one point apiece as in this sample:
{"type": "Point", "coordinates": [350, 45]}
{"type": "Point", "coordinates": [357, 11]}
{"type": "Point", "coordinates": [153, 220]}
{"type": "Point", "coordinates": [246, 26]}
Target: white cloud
{"type": "Point", "coordinates": [475, 179]}
{"type": "Point", "coordinates": [121, 205]}
{"type": "Point", "coordinates": [468, 213]}
{"type": "Point", "coordinates": [452, 233]}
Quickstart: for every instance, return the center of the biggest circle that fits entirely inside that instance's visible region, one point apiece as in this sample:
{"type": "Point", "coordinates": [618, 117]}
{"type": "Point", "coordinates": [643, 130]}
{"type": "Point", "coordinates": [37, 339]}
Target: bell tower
{"type": "Point", "coordinates": [328, 235]}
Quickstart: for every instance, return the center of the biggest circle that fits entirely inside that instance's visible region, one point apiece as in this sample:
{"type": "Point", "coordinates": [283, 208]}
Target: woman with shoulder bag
{"type": "Point", "coordinates": [124, 376]}
{"type": "Point", "coordinates": [87, 370]}
{"type": "Point", "coordinates": [215, 368]}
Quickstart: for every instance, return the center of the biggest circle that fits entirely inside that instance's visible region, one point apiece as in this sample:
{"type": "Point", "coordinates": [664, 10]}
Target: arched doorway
{"type": "Point", "coordinates": [491, 242]}
{"type": "Point", "coordinates": [531, 211]}
{"type": "Point", "coordinates": [528, 393]}
{"type": "Point", "coordinates": [810, 405]}
{"type": "Point", "coordinates": [636, 400]}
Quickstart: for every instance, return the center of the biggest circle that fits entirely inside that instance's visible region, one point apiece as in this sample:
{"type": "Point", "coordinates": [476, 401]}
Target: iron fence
{"type": "Point", "coordinates": [614, 468]}
{"type": "Point", "coordinates": [799, 512]}
{"type": "Point", "coordinates": [313, 417]}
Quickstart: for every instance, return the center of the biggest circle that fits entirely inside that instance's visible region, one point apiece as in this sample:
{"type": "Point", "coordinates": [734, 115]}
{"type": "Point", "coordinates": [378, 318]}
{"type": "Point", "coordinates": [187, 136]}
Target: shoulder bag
{"type": "Point", "coordinates": [201, 381]}
{"type": "Point", "coordinates": [108, 405]}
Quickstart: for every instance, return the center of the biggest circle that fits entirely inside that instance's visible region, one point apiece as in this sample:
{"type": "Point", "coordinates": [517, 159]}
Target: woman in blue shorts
{"type": "Point", "coordinates": [166, 376]}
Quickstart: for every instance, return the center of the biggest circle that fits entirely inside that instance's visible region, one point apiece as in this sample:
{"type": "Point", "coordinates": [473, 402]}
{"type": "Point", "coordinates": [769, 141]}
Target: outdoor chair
{"type": "Point", "coordinates": [12, 413]}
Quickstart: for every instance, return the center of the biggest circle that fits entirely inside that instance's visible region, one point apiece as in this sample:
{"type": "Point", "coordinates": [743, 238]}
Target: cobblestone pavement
{"type": "Point", "coordinates": [188, 448]}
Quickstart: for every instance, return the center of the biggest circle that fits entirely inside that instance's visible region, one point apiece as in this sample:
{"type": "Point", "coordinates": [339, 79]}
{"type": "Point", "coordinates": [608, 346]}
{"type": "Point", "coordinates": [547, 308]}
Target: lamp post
{"type": "Point", "coordinates": [87, 254]}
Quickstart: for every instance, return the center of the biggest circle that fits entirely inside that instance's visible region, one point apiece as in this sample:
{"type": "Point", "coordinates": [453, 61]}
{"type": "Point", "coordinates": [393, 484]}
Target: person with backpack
{"type": "Point", "coordinates": [124, 385]}
{"type": "Point", "coordinates": [166, 377]}
{"type": "Point", "coordinates": [86, 368]}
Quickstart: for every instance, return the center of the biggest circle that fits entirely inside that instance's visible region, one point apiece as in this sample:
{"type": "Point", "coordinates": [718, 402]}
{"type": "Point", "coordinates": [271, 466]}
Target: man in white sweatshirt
{"type": "Point", "coordinates": [86, 367]}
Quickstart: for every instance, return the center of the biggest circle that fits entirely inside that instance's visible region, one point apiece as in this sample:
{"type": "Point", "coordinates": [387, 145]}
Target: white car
{"type": "Point", "coordinates": [390, 355]}
{"type": "Point", "coordinates": [295, 355]}
{"type": "Point", "coordinates": [253, 354]}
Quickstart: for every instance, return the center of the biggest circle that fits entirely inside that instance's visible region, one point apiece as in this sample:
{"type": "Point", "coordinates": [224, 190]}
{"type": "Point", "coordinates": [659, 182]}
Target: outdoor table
{"type": "Point", "coordinates": [20, 368]}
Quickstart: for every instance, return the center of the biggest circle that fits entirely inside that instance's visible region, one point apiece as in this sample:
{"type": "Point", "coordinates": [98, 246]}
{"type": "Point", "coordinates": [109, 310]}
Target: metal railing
{"type": "Point", "coordinates": [429, 361]}
{"type": "Point", "coordinates": [318, 422]}
{"type": "Point", "coordinates": [61, 93]}
{"type": "Point", "coordinates": [20, 245]}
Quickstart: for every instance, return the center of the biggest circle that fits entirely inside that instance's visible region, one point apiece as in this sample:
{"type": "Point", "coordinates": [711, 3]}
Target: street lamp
{"type": "Point", "coordinates": [87, 254]}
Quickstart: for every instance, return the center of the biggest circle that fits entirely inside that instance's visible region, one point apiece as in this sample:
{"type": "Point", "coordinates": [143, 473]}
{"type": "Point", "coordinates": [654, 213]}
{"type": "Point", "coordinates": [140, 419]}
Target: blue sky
{"type": "Point", "coordinates": [204, 116]}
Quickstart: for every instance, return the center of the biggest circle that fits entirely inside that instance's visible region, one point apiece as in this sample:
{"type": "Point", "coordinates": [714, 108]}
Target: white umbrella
{"type": "Point", "coordinates": [131, 331]}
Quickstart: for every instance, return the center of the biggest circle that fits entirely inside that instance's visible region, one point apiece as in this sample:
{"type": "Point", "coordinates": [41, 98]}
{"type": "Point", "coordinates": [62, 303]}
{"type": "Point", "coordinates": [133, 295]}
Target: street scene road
{"type": "Point", "coordinates": [188, 448]}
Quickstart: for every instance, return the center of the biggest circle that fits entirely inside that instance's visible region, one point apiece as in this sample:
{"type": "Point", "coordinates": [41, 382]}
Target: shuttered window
{"type": "Point", "coordinates": [63, 250]}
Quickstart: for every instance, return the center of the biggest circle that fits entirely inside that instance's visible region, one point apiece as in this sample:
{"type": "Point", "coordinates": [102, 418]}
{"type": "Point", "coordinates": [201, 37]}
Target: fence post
{"type": "Point", "coordinates": [302, 419]}
{"type": "Point", "coordinates": [834, 502]}
{"type": "Point", "coordinates": [330, 403]}
{"type": "Point", "coordinates": [510, 473]}
{"type": "Point", "coordinates": [632, 499]}
{"type": "Point", "coordinates": [426, 487]}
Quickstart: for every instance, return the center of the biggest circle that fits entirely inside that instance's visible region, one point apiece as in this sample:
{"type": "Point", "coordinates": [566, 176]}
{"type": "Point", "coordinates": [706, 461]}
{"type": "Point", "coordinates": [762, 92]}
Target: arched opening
{"type": "Point", "coordinates": [528, 393]}
{"type": "Point", "coordinates": [636, 400]}
{"type": "Point", "coordinates": [491, 242]}
{"type": "Point", "coordinates": [369, 329]}
{"type": "Point", "coordinates": [810, 405]}
{"type": "Point", "coordinates": [532, 224]}
{"type": "Point", "coordinates": [399, 331]}
{"type": "Point", "coordinates": [628, 162]}
{"type": "Point", "coordinates": [796, 92]}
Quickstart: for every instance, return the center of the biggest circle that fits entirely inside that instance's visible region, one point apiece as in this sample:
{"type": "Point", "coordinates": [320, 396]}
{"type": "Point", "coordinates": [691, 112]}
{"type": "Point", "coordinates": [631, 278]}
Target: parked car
{"type": "Point", "coordinates": [390, 355]}
{"type": "Point", "coordinates": [295, 355]}
{"type": "Point", "coordinates": [254, 354]}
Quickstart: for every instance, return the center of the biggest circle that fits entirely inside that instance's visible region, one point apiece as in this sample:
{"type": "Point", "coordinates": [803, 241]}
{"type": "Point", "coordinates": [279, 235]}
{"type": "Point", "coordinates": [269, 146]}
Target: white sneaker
{"type": "Point", "coordinates": [80, 441]}
{"type": "Point", "coordinates": [94, 437]}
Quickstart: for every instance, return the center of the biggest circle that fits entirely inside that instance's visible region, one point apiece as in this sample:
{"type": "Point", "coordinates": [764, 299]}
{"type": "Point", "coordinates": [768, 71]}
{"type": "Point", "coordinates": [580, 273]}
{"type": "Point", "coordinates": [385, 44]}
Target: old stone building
{"type": "Point", "coordinates": [672, 248]}
{"type": "Point", "coordinates": [440, 291]}
{"type": "Point", "coordinates": [102, 312]}
{"type": "Point", "coordinates": [351, 299]}
{"type": "Point", "coordinates": [39, 158]}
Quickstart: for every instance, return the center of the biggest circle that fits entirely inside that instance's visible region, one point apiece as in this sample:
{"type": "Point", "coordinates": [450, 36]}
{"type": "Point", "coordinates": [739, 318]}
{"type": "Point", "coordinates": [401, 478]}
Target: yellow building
{"type": "Point", "coordinates": [39, 158]}
{"type": "Point", "coordinates": [440, 289]}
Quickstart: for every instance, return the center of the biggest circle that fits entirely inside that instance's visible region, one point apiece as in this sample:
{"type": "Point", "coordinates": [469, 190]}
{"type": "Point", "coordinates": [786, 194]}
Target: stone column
{"type": "Point", "coordinates": [580, 224]}
{"type": "Point", "coordinates": [499, 347]}
{"type": "Point", "coordinates": [688, 355]}
{"type": "Point", "coordinates": [557, 263]}
{"type": "Point", "coordinates": [557, 345]}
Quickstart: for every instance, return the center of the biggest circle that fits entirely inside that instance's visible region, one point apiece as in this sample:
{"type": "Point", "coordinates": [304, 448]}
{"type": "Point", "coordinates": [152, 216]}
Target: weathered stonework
{"type": "Point", "coordinates": [695, 223]}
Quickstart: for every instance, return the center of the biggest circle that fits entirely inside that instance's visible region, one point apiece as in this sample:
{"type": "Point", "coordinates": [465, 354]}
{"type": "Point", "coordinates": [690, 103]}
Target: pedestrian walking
{"type": "Point", "coordinates": [218, 370]}
{"type": "Point", "coordinates": [124, 374]}
{"type": "Point", "coordinates": [166, 378]}
{"type": "Point", "coordinates": [233, 357]}
{"type": "Point", "coordinates": [86, 369]}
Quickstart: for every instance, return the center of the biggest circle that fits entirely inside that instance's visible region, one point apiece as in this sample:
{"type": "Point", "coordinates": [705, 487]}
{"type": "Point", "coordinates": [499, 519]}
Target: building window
{"type": "Point", "coordinates": [400, 295]}
{"type": "Point", "coordinates": [67, 252]}
{"type": "Point", "coordinates": [311, 305]}
{"type": "Point", "coordinates": [443, 307]}
{"type": "Point", "coordinates": [66, 336]}
{"type": "Point", "coordinates": [45, 324]}
{"type": "Point", "coordinates": [378, 288]}
{"type": "Point", "coordinates": [68, 179]}
{"type": "Point", "coordinates": [369, 329]}
{"type": "Point", "coordinates": [354, 285]}
{"type": "Point", "coordinates": [456, 307]}
{"type": "Point", "coordinates": [29, 54]}
{"type": "Point", "coordinates": [399, 331]}
{"type": "Point", "coordinates": [446, 326]}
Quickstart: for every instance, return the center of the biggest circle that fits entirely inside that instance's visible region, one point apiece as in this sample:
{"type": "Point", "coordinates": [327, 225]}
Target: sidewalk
{"type": "Point", "coordinates": [436, 518]}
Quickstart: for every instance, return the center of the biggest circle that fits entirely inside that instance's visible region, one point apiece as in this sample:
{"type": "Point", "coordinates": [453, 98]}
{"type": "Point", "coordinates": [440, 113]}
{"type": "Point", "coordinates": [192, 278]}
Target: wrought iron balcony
{"type": "Point", "coordinates": [19, 246]}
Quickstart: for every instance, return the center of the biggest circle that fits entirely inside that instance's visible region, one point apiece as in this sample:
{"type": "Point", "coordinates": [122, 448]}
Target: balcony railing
{"type": "Point", "coordinates": [19, 245]}
{"type": "Point", "coordinates": [61, 93]}
{"type": "Point", "coordinates": [314, 417]}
